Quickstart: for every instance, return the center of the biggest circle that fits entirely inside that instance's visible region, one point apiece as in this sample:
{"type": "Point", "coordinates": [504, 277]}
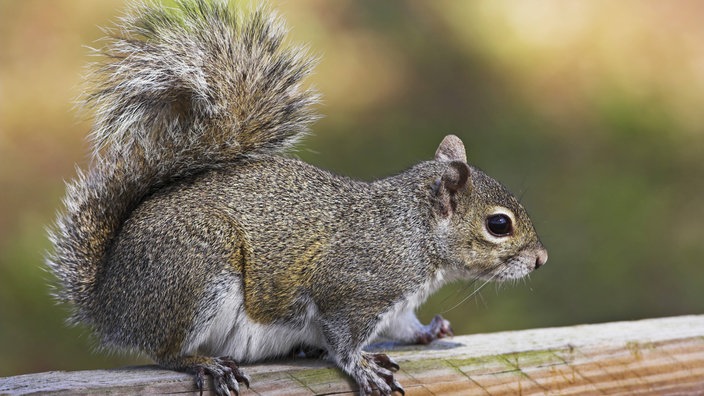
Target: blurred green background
{"type": "Point", "coordinates": [590, 111]}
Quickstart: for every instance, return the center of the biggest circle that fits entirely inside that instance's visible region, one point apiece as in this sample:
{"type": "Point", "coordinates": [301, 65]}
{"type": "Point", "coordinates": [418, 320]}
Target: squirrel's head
{"type": "Point", "coordinates": [483, 228]}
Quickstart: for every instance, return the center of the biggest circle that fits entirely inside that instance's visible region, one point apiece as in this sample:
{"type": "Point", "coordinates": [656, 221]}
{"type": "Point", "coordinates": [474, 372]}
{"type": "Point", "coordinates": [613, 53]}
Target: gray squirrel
{"type": "Point", "coordinates": [193, 239]}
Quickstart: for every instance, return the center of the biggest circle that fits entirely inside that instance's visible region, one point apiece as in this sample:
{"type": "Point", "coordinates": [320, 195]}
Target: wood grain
{"type": "Point", "coordinates": [649, 357]}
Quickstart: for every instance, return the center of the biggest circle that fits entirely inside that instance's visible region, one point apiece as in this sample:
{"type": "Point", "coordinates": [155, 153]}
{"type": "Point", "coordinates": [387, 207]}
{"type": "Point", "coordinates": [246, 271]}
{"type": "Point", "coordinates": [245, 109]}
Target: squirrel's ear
{"type": "Point", "coordinates": [456, 176]}
{"type": "Point", "coordinates": [446, 187]}
{"type": "Point", "coordinates": [451, 149]}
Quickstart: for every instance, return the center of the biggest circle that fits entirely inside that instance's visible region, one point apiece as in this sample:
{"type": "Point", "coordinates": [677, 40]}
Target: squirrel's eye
{"type": "Point", "coordinates": [499, 225]}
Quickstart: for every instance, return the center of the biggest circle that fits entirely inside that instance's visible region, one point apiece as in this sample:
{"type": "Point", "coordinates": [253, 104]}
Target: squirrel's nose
{"type": "Point", "coordinates": [541, 259]}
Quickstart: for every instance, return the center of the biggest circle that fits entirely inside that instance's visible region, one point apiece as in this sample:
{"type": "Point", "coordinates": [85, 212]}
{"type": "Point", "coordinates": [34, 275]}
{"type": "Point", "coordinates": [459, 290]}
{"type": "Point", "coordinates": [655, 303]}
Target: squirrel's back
{"type": "Point", "coordinates": [180, 91]}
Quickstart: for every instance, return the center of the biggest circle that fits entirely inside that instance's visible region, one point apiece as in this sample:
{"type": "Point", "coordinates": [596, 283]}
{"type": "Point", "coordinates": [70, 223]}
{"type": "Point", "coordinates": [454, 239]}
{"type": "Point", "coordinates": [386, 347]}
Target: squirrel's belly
{"type": "Point", "coordinates": [232, 333]}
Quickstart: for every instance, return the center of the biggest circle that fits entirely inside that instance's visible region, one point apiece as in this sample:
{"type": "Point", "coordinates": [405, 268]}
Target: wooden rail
{"type": "Point", "coordinates": [655, 356]}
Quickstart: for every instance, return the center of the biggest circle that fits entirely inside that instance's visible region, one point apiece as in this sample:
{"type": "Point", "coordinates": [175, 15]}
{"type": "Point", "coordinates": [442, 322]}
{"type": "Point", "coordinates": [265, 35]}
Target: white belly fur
{"type": "Point", "coordinates": [232, 333]}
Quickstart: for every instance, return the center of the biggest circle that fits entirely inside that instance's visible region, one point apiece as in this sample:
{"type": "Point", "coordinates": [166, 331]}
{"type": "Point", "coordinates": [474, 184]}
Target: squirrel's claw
{"type": "Point", "coordinates": [200, 379]}
{"type": "Point", "coordinates": [225, 372]}
{"type": "Point", "coordinates": [377, 370]}
{"type": "Point", "coordinates": [439, 327]}
{"type": "Point", "coordinates": [385, 361]}
{"type": "Point", "coordinates": [237, 373]}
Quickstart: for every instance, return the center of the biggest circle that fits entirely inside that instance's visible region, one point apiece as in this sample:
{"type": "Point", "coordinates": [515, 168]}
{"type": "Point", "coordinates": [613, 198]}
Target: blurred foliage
{"type": "Point", "coordinates": [590, 111]}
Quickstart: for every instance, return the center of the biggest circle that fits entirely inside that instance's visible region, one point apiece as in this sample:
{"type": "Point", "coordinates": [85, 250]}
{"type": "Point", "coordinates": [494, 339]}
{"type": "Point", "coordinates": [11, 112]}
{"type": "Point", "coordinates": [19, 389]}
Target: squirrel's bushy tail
{"type": "Point", "coordinates": [181, 90]}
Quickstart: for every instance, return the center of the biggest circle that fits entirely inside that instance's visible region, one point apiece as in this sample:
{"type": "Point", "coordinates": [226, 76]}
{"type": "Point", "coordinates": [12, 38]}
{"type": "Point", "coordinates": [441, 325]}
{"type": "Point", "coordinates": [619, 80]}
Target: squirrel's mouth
{"type": "Point", "coordinates": [516, 267]}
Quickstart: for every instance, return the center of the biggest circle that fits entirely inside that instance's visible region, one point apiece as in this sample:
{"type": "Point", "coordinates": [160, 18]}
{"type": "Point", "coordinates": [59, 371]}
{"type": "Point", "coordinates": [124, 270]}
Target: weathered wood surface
{"type": "Point", "coordinates": [654, 356]}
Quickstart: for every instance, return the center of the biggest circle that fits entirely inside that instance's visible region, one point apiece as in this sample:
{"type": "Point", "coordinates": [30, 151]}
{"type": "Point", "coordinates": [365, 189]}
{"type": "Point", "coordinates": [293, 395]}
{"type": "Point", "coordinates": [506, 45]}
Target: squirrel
{"type": "Point", "coordinates": [194, 239]}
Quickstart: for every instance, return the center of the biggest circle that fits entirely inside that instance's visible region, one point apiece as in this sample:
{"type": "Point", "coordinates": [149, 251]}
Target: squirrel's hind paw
{"type": "Point", "coordinates": [376, 369]}
{"type": "Point", "coordinates": [224, 370]}
{"type": "Point", "coordinates": [226, 375]}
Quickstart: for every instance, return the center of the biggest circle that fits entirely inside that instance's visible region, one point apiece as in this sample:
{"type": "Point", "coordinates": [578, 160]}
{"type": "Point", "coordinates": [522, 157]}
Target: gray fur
{"type": "Point", "coordinates": [180, 91]}
{"type": "Point", "coordinates": [191, 229]}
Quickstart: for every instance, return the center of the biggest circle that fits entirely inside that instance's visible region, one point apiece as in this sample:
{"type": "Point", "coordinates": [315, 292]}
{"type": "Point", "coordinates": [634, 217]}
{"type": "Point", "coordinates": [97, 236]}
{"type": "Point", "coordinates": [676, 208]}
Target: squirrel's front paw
{"type": "Point", "coordinates": [439, 327]}
{"type": "Point", "coordinates": [376, 370]}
